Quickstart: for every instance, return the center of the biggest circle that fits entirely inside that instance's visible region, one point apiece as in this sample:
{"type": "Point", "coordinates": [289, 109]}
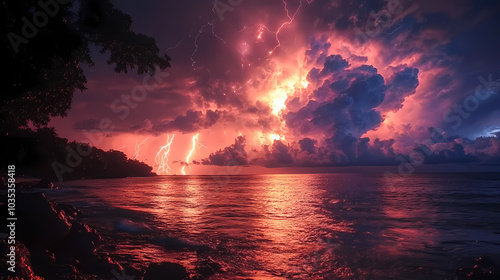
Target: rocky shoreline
{"type": "Point", "coordinates": [52, 243]}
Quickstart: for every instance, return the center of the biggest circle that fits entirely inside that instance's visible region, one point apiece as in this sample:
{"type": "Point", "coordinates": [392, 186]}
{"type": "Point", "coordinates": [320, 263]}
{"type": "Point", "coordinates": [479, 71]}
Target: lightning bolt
{"type": "Point", "coordinates": [290, 20]}
{"type": "Point", "coordinates": [195, 143]}
{"type": "Point", "coordinates": [137, 147]}
{"type": "Point", "coordinates": [237, 91]}
{"type": "Point", "coordinates": [174, 47]}
{"type": "Point", "coordinates": [263, 28]}
{"type": "Point", "coordinates": [290, 17]}
{"type": "Point", "coordinates": [193, 62]}
{"type": "Point", "coordinates": [246, 48]}
{"type": "Point", "coordinates": [201, 31]}
{"type": "Point", "coordinates": [161, 158]}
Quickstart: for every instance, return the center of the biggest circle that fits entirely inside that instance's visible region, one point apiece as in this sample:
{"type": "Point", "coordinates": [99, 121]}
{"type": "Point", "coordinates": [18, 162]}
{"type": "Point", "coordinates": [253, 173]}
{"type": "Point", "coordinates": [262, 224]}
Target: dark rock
{"type": "Point", "coordinates": [47, 266]}
{"type": "Point", "coordinates": [67, 210]}
{"type": "Point", "coordinates": [80, 242]}
{"type": "Point", "coordinates": [65, 258]}
{"type": "Point", "coordinates": [63, 271]}
{"type": "Point", "coordinates": [128, 273]}
{"type": "Point", "coordinates": [166, 270]}
{"type": "Point", "coordinates": [60, 249]}
{"type": "Point", "coordinates": [101, 265]}
{"type": "Point", "coordinates": [208, 267]}
{"type": "Point", "coordinates": [23, 268]}
{"type": "Point", "coordinates": [484, 269]}
{"type": "Point", "coordinates": [42, 260]}
{"type": "Point", "coordinates": [69, 272]}
{"type": "Point", "coordinates": [42, 225]}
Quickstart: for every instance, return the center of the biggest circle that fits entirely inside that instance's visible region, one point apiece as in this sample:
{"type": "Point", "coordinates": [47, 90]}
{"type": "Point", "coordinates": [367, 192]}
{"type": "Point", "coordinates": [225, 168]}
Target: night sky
{"type": "Point", "coordinates": [303, 83]}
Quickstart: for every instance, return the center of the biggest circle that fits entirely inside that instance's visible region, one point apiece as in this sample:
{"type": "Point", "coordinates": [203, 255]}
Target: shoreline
{"type": "Point", "coordinates": [52, 242]}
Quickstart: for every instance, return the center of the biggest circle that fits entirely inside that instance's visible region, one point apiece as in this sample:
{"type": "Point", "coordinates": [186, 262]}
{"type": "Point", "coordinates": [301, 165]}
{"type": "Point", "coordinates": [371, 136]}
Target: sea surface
{"type": "Point", "coordinates": [315, 226]}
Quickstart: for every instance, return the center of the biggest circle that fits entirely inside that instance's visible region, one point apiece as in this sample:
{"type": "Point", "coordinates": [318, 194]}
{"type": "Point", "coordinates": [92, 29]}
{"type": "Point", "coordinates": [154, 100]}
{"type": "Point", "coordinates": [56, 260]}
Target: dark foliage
{"type": "Point", "coordinates": [35, 152]}
{"type": "Point", "coordinates": [45, 43]}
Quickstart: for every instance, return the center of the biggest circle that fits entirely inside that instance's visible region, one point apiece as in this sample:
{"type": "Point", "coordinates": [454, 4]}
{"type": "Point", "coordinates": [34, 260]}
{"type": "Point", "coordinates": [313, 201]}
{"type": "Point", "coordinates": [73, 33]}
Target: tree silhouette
{"type": "Point", "coordinates": [44, 44]}
{"type": "Point", "coordinates": [33, 152]}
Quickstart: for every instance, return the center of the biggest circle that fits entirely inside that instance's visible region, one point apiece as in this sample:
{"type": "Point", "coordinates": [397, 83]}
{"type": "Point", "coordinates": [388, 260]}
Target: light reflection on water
{"type": "Point", "coordinates": [333, 226]}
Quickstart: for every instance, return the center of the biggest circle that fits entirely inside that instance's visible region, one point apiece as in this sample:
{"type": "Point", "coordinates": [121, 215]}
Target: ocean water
{"type": "Point", "coordinates": [322, 226]}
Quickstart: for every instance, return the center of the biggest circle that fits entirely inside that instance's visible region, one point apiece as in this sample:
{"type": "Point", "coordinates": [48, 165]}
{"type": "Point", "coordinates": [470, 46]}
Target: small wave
{"type": "Point", "coordinates": [129, 226]}
{"type": "Point", "coordinates": [172, 243]}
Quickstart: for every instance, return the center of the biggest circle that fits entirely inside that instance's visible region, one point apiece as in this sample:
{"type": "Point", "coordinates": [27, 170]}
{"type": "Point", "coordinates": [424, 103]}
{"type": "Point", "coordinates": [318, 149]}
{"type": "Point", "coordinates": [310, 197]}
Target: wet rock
{"type": "Point", "coordinates": [128, 273]}
{"type": "Point", "coordinates": [63, 271]}
{"type": "Point", "coordinates": [23, 267]}
{"type": "Point", "coordinates": [80, 242]}
{"type": "Point", "coordinates": [48, 266]}
{"type": "Point", "coordinates": [42, 260]}
{"type": "Point", "coordinates": [166, 270]}
{"type": "Point", "coordinates": [68, 211]}
{"type": "Point", "coordinates": [207, 268]}
{"type": "Point", "coordinates": [65, 258]}
{"type": "Point", "coordinates": [69, 272]}
{"type": "Point", "coordinates": [484, 269]}
{"type": "Point", "coordinates": [101, 265]}
{"type": "Point", "coordinates": [42, 225]}
{"type": "Point", "coordinates": [60, 246]}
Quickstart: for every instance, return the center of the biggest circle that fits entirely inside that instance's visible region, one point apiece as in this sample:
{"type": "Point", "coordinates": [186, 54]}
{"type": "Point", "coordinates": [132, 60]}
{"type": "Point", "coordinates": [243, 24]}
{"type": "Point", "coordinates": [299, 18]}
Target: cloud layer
{"type": "Point", "coordinates": [317, 83]}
